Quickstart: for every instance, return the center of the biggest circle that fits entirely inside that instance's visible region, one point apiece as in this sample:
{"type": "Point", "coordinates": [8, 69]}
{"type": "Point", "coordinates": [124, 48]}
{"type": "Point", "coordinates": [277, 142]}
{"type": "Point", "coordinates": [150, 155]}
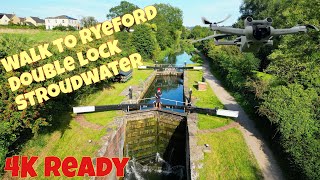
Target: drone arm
{"type": "Point", "coordinates": [293, 30]}
{"type": "Point", "coordinates": [215, 37]}
{"type": "Point", "coordinates": [225, 43]}
{"type": "Point", "coordinates": [229, 30]}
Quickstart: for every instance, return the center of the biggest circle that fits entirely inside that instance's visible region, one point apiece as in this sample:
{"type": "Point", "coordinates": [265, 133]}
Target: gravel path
{"type": "Point", "coordinates": [252, 136]}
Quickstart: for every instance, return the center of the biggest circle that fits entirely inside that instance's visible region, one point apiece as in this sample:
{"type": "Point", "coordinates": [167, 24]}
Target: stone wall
{"type": "Point", "coordinates": [185, 87]}
{"type": "Point", "coordinates": [113, 144]}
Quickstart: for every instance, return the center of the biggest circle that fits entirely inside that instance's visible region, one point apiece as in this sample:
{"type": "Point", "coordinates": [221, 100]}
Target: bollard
{"type": "Point", "coordinates": [203, 79]}
{"type": "Point", "coordinates": [189, 99]}
{"type": "Point", "coordinates": [130, 92]}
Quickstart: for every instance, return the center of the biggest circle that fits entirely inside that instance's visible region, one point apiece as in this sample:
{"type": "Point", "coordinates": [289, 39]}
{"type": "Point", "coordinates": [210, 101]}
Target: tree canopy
{"type": "Point", "coordinates": [123, 8]}
{"type": "Point", "coordinates": [88, 21]}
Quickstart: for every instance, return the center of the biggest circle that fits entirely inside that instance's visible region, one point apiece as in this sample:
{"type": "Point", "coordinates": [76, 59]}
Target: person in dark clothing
{"type": "Point", "coordinates": [158, 98]}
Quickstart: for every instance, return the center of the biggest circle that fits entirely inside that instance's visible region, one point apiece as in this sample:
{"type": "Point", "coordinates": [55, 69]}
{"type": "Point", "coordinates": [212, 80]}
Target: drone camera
{"type": "Point", "coordinates": [269, 20]}
{"type": "Point", "coordinates": [249, 19]}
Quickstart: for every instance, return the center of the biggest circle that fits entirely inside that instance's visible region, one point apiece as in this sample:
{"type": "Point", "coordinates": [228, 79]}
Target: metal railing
{"type": "Point", "coordinates": [174, 101]}
{"type": "Point", "coordinates": [137, 101]}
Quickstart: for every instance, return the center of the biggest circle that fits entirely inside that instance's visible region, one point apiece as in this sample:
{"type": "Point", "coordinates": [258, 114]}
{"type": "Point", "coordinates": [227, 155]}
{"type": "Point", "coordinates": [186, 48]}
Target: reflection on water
{"type": "Point", "coordinates": [177, 59]}
{"type": "Point", "coordinates": [171, 87]}
{"type": "Point", "coordinates": [157, 148]}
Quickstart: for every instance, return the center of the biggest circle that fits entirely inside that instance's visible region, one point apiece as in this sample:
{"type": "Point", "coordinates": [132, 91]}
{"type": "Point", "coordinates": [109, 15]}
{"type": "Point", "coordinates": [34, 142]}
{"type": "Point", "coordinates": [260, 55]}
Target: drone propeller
{"type": "Point", "coordinates": [205, 21]}
{"type": "Point", "coordinates": [224, 19]}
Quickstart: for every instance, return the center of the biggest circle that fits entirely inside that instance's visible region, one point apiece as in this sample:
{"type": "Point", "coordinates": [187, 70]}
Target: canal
{"type": "Point", "coordinates": [171, 86]}
{"type": "Point", "coordinates": [157, 145]}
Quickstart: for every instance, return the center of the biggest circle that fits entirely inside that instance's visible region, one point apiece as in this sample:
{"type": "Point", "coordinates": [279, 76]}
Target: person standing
{"type": "Point", "coordinates": [158, 98]}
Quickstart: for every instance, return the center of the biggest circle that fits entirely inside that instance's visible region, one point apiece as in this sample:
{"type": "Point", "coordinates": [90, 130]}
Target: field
{"type": "Point", "coordinates": [35, 35]}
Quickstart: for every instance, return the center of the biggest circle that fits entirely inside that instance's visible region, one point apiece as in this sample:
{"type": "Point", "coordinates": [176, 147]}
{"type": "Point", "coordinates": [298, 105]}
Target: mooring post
{"type": "Point", "coordinates": [189, 99]}
{"type": "Point", "coordinates": [130, 92]}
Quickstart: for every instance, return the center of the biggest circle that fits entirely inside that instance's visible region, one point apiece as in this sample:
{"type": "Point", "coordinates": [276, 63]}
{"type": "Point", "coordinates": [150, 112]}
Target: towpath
{"type": "Point", "coordinates": [252, 136]}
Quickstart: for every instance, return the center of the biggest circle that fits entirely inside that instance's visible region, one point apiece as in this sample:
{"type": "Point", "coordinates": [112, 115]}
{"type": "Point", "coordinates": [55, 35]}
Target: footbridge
{"type": "Point", "coordinates": [135, 105]}
{"type": "Point", "coordinates": [170, 69]}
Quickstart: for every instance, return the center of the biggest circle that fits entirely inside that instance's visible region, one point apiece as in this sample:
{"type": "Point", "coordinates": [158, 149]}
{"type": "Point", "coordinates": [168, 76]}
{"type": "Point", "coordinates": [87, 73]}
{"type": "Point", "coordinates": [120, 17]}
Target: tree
{"type": "Point", "coordinates": [144, 40]}
{"type": "Point", "coordinates": [199, 32]}
{"type": "Point", "coordinates": [168, 21]}
{"type": "Point", "coordinates": [124, 8]}
{"type": "Point", "coordinates": [88, 21]}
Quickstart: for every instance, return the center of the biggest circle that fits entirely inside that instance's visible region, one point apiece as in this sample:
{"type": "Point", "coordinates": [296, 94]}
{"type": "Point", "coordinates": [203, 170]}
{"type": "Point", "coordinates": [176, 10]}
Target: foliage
{"type": "Point", "coordinates": [144, 40]}
{"type": "Point", "coordinates": [283, 81]}
{"type": "Point", "coordinates": [123, 8]}
{"type": "Point", "coordinates": [88, 21]}
{"type": "Point", "coordinates": [295, 111]}
{"type": "Point", "coordinates": [199, 32]}
{"type": "Point", "coordinates": [64, 28]}
{"type": "Point", "coordinates": [169, 22]}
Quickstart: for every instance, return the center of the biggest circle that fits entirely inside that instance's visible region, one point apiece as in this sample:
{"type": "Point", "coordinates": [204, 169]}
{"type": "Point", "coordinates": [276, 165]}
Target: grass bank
{"type": "Point", "coordinates": [205, 99]}
{"type": "Point", "coordinates": [73, 140]}
{"type": "Point", "coordinates": [229, 157]}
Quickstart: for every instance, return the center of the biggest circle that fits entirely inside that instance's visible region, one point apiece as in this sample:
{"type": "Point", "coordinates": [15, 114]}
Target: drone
{"type": "Point", "coordinates": [256, 34]}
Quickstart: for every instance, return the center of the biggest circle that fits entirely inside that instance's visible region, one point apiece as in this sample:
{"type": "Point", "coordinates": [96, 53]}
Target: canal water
{"type": "Point", "coordinates": [171, 86]}
{"type": "Point", "coordinates": [178, 59]}
{"type": "Point", "coordinates": [157, 146]}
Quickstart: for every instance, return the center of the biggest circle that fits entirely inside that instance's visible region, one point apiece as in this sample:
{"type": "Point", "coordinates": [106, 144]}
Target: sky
{"type": "Point", "coordinates": [213, 10]}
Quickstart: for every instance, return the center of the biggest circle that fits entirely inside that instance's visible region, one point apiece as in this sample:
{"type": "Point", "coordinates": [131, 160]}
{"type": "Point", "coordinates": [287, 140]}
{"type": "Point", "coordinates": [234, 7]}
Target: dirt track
{"type": "Point", "coordinates": [267, 163]}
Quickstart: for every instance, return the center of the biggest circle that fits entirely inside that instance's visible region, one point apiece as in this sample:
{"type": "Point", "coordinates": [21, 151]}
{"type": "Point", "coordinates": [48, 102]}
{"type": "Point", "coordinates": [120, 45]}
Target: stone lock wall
{"type": "Point", "coordinates": [117, 134]}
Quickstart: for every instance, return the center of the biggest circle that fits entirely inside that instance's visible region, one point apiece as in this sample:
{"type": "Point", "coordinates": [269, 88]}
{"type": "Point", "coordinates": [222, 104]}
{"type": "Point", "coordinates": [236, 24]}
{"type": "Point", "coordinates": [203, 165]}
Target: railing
{"type": "Point", "coordinates": [173, 101]}
{"type": "Point", "coordinates": [129, 107]}
{"type": "Point", "coordinates": [137, 101]}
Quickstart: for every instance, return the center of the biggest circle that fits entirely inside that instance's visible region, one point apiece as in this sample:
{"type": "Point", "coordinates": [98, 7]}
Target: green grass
{"type": "Point", "coordinates": [112, 96]}
{"type": "Point", "coordinates": [69, 138]}
{"type": "Point", "coordinates": [229, 157]}
{"type": "Point", "coordinates": [39, 36]}
{"type": "Point", "coordinates": [206, 99]}
{"type": "Point", "coordinates": [211, 122]}
{"type": "Point", "coordinates": [73, 140]}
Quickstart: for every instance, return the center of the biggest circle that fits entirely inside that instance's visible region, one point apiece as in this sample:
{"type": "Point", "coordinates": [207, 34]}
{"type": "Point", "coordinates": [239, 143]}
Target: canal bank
{"type": "Point", "coordinates": [254, 140]}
